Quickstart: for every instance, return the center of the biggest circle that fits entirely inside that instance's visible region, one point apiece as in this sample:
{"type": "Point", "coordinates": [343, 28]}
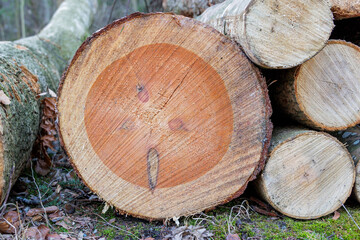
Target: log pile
{"type": "Point", "coordinates": [163, 116]}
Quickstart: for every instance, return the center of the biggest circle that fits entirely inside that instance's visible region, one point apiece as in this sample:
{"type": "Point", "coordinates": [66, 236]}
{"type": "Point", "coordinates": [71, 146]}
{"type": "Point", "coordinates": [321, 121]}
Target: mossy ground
{"type": "Point", "coordinates": [236, 216]}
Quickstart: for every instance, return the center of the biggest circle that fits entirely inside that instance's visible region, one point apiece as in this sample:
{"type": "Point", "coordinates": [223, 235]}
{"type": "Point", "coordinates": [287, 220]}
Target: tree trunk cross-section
{"type": "Point", "coordinates": [308, 174]}
{"type": "Point", "coordinates": [162, 116]}
{"type": "Point", "coordinates": [324, 92]}
{"type": "Point", "coordinates": [274, 33]}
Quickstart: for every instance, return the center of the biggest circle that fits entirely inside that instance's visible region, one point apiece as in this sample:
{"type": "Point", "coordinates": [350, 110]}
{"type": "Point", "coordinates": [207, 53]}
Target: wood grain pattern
{"type": "Point", "coordinates": [324, 92]}
{"type": "Point", "coordinates": [308, 174]}
{"type": "Point", "coordinates": [274, 33]}
{"type": "Point", "coordinates": [159, 100]}
{"type": "Point", "coordinates": [163, 116]}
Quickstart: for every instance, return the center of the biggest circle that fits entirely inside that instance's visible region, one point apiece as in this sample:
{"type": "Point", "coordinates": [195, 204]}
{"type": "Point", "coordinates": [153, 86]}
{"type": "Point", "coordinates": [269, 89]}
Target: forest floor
{"type": "Point", "coordinates": [74, 212]}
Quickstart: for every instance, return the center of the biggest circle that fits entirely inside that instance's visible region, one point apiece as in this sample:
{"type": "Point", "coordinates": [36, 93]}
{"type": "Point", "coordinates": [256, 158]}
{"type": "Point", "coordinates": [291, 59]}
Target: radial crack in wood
{"type": "Point", "coordinates": [308, 174]}
{"type": "Point", "coordinates": [163, 116]}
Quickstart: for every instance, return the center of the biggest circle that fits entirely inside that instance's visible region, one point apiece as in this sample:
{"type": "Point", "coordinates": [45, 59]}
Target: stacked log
{"type": "Point", "coordinates": [308, 174]}
{"type": "Point", "coordinates": [274, 34]}
{"type": "Point", "coordinates": [324, 92]}
{"type": "Point", "coordinates": [168, 125]}
{"type": "Point", "coordinates": [177, 120]}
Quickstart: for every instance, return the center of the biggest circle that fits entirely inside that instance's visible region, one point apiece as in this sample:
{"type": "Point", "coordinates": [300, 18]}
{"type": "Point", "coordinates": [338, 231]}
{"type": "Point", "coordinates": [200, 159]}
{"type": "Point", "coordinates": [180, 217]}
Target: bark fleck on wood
{"type": "Point", "coordinates": [345, 8]}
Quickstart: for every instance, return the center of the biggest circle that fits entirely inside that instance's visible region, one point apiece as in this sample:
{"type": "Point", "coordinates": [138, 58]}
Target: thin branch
{"type": "Point", "coordinates": [7, 192]}
{"type": "Point", "coordinates": [111, 11]}
{"type": "Point", "coordinates": [146, 6]}
{"type": "Point", "coordinates": [22, 17]}
{"type": "Point", "coordinates": [349, 215]}
{"type": "Point", "coordinates": [38, 189]}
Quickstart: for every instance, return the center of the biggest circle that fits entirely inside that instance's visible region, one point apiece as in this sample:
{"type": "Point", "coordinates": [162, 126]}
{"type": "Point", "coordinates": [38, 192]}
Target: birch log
{"type": "Point", "coordinates": [163, 116]}
{"type": "Point", "coordinates": [324, 92]}
{"type": "Point", "coordinates": [274, 33]}
{"type": "Point", "coordinates": [308, 174]}
{"type": "Point", "coordinates": [345, 8]}
{"type": "Point", "coordinates": [27, 67]}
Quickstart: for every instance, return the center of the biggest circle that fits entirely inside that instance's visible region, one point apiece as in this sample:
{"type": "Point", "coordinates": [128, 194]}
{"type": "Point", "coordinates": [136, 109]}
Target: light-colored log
{"type": "Point", "coordinates": [308, 174]}
{"type": "Point", "coordinates": [30, 66]}
{"type": "Point", "coordinates": [324, 92]}
{"type": "Point", "coordinates": [162, 116]}
{"type": "Point", "coordinates": [189, 8]}
{"type": "Point", "coordinates": [345, 8]}
{"type": "Point", "coordinates": [274, 33]}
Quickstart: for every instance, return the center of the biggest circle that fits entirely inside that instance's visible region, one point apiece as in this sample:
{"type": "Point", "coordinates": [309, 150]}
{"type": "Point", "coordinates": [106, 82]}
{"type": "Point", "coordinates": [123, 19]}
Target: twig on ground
{"type": "Point", "coordinates": [40, 197]}
{"type": "Point", "coordinates": [349, 215]}
{"type": "Point", "coordinates": [3, 207]}
{"type": "Point", "coordinates": [114, 226]}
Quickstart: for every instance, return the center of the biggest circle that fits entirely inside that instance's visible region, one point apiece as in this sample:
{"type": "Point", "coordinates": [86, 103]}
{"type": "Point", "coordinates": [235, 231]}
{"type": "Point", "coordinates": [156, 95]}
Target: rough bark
{"type": "Point", "coordinates": [189, 8]}
{"type": "Point", "coordinates": [343, 9]}
{"type": "Point", "coordinates": [308, 174]}
{"type": "Point", "coordinates": [168, 125]}
{"type": "Point", "coordinates": [351, 139]}
{"type": "Point", "coordinates": [324, 92]}
{"type": "Point", "coordinates": [30, 66]}
{"type": "Point", "coordinates": [274, 34]}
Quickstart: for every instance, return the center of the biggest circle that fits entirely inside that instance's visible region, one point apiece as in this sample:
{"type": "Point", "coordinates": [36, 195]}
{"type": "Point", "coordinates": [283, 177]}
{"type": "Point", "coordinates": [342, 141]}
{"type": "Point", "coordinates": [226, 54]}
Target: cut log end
{"type": "Point", "coordinates": [153, 125]}
{"type": "Point", "coordinates": [274, 33]}
{"type": "Point", "coordinates": [307, 175]}
{"type": "Point", "coordinates": [284, 34]}
{"type": "Point", "coordinates": [327, 87]}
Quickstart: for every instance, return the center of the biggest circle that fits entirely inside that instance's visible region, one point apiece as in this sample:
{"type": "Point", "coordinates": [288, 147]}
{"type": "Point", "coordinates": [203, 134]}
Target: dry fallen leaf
{"type": "Point", "coordinates": [37, 233]}
{"type": "Point", "coordinates": [53, 236]}
{"type": "Point", "coordinates": [4, 99]}
{"type": "Point", "coordinates": [232, 237]}
{"type": "Point", "coordinates": [336, 215]}
{"type": "Point", "coordinates": [38, 211]}
{"type": "Point", "coordinates": [189, 233]}
{"type": "Point", "coordinates": [65, 223]}
{"type": "Point", "coordinates": [11, 223]}
{"type": "Point", "coordinates": [42, 167]}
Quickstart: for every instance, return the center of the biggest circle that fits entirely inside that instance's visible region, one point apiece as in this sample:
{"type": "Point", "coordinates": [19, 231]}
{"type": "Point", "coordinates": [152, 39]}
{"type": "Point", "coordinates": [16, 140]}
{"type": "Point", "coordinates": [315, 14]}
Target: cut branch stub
{"type": "Point", "coordinates": [324, 92]}
{"type": "Point", "coordinates": [162, 116]}
{"type": "Point", "coordinates": [308, 174]}
{"type": "Point", "coordinates": [274, 33]}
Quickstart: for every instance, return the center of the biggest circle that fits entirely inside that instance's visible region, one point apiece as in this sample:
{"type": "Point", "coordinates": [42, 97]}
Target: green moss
{"type": "Point", "coordinates": [264, 227]}
{"type": "Point", "coordinates": [108, 232]}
